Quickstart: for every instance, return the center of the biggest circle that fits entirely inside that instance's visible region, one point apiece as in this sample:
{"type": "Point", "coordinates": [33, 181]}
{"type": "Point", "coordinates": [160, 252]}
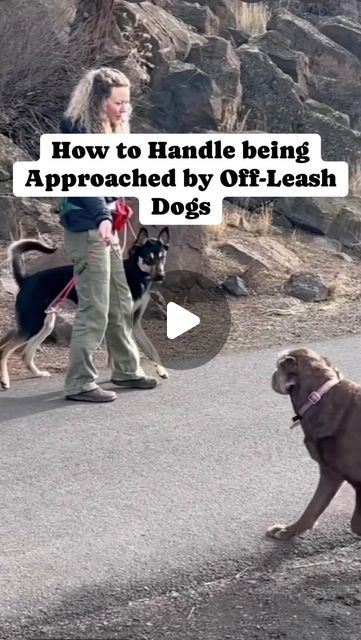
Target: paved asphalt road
{"type": "Point", "coordinates": [161, 490]}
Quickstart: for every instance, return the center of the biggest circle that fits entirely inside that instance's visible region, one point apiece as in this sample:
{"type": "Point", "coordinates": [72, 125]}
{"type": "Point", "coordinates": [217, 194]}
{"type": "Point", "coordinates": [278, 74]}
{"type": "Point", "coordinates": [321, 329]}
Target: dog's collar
{"type": "Point", "coordinates": [313, 399]}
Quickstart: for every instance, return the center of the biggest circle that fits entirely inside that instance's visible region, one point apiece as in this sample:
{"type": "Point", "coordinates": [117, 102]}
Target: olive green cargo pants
{"type": "Point", "coordinates": [104, 311]}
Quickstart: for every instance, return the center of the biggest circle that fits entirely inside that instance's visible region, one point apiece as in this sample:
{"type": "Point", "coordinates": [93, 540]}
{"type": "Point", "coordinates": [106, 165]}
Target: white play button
{"type": "Point", "coordinates": [197, 321]}
{"type": "Point", "coordinates": [179, 320]}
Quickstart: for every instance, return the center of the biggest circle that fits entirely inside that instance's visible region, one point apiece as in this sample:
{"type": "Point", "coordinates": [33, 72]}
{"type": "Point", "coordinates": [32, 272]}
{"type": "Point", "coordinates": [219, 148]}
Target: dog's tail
{"type": "Point", "coordinates": [15, 253]}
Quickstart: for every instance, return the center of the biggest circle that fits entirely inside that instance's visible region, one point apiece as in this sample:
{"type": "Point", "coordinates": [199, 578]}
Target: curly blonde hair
{"type": "Point", "coordinates": [86, 101]}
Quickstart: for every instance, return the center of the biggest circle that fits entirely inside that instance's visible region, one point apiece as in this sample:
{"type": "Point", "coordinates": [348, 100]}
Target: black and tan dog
{"type": "Point", "coordinates": [144, 265]}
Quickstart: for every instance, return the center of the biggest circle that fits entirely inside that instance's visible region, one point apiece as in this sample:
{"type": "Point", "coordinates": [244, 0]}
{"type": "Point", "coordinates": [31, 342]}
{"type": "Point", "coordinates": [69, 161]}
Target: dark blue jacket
{"type": "Point", "coordinates": [82, 214]}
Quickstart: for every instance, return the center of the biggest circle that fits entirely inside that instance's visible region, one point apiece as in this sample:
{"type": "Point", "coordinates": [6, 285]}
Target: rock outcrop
{"type": "Point", "coordinates": [20, 215]}
{"type": "Point", "coordinates": [338, 218]}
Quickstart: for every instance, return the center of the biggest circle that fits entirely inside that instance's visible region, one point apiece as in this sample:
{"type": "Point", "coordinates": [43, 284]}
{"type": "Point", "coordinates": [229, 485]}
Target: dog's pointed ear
{"type": "Point", "coordinates": [164, 236]}
{"type": "Point", "coordinates": [142, 236]}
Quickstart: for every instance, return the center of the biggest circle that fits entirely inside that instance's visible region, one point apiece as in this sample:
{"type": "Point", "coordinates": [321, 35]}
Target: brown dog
{"type": "Point", "coordinates": [328, 408]}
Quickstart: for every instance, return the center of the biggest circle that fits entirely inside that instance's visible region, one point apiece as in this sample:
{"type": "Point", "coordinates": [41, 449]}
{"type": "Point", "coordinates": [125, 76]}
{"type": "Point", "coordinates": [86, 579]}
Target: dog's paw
{"type": "Point", "coordinates": [161, 371]}
{"type": "Point", "coordinates": [5, 384]}
{"type": "Point", "coordinates": [44, 374]}
{"type": "Point", "coordinates": [279, 532]}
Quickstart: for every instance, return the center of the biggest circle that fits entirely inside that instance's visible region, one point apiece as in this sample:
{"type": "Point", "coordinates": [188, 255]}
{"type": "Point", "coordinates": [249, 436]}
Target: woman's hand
{"type": "Point", "coordinates": [105, 231]}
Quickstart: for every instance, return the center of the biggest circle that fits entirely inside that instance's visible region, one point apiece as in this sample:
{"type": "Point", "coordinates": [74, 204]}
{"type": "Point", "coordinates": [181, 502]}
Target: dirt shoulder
{"type": "Point", "coordinates": [298, 591]}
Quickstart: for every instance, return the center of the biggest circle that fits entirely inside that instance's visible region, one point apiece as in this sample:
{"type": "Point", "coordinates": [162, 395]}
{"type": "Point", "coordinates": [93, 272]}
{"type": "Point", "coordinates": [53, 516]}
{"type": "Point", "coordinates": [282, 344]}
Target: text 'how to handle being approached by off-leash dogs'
{"type": "Point", "coordinates": [181, 178]}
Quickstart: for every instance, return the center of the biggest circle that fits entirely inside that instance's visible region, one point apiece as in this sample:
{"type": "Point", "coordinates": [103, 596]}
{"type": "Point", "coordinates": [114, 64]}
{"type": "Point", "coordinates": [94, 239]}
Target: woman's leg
{"type": "Point", "coordinates": [119, 336]}
{"type": "Point", "coordinates": [91, 259]}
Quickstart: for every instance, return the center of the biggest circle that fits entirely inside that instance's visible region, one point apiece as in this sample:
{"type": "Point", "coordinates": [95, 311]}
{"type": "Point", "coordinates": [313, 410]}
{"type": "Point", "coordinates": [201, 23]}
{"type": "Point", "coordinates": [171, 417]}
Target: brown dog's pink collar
{"type": "Point", "coordinates": [315, 396]}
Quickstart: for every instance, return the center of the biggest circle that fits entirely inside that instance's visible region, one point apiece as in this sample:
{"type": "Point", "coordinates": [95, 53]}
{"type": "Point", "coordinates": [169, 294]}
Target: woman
{"type": "Point", "coordinates": [100, 103]}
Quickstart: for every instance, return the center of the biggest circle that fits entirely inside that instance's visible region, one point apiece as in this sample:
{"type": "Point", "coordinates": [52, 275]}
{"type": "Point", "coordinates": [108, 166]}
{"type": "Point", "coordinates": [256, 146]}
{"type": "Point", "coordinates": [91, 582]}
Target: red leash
{"type": "Point", "coordinates": [122, 215]}
{"type": "Point", "coordinates": [121, 219]}
{"type": "Point", "coordinates": [62, 296]}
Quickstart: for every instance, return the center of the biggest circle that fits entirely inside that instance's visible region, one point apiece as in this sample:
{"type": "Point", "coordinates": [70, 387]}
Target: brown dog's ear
{"type": "Point", "coordinates": [329, 364]}
{"type": "Point", "coordinates": [288, 368]}
{"type": "Point", "coordinates": [327, 361]}
{"type": "Point", "coordinates": [288, 363]}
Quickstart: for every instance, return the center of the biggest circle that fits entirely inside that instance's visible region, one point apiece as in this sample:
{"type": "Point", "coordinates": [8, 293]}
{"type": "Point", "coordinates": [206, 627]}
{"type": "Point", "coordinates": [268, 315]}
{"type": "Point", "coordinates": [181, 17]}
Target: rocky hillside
{"type": "Point", "coordinates": [212, 65]}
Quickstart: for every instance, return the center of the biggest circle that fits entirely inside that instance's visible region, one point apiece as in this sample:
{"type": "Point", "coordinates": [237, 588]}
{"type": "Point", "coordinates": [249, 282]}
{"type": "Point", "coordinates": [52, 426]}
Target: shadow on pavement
{"type": "Point", "coordinates": [12, 408]}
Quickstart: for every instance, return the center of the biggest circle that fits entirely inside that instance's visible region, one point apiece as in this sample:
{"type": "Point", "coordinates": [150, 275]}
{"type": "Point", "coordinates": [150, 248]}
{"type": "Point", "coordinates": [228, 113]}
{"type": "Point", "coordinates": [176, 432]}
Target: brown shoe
{"type": "Point", "coordinates": [95, 395]}
{"type": "Point", "coordinates": [145, 382]}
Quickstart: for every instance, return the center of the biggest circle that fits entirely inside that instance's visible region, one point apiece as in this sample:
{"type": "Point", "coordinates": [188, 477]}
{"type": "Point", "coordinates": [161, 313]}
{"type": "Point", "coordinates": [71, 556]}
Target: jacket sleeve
{"type": "Point", "coordinates": [96, 207]}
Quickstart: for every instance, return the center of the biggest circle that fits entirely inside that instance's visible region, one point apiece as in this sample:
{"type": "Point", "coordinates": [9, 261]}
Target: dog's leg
{"type": "Point", "coordinates": [7, 349]}
{"type": "Point", "coordinates": [35, 342]}
{"type": "Point", "coordinates": [356, 518]}
{"type": "Point", "coordinates": [327, 488]}
{"type": "Point", "coordinates": [7, 337]}
{"type": "Point", "coordinates": [148, 348]}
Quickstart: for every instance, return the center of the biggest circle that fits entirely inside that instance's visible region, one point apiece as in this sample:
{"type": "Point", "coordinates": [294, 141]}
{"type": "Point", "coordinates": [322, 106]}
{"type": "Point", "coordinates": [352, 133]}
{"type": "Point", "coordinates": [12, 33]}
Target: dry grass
{"type": "Point", "coordinates": [296, 238]}
{"type": "Point", "coordinates": [216, 232]}
{"type": "Point", "coordinates": [233, 219]}
{"type": "Point", "coordinates": [35, 71]}
{"type": "Point", "coordinates": [42, 55]}
{"type": "Point", "coordinates": [253, 17]}
{"type": "Point", "coordinates": [255, 224]}
{"type": "Point", "coordinates": [355, 181]}
{"type": "Point", "coordinates": [339, 287]}
{"type": "Point", "coordinates": [242, 124]}
{"type": "Point", "coordinates": [258, 224]}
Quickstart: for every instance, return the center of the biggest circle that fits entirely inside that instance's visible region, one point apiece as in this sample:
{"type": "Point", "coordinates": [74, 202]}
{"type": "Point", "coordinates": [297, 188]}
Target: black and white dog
{"type": "Point", "coordinates": [144, 265]}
